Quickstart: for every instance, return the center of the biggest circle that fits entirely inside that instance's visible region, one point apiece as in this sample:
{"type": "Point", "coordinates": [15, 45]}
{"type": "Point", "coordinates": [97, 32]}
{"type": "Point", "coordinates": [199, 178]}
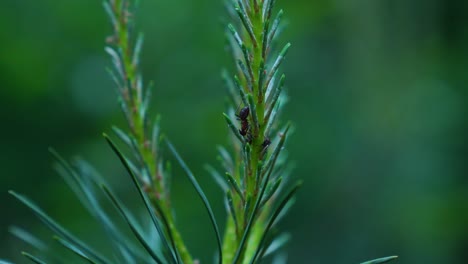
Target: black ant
{"type": "Point", "coordinates": [266, 143]}
{"type": "Point", "coordinates": [243, 116]}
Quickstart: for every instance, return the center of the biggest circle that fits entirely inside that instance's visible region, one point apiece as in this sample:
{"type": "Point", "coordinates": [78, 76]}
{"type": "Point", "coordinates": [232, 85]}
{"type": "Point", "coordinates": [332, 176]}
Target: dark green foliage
{"type": "Point", "coordinates": [59, 230]}
{"type": "Point", "coordinates": [256, 166]}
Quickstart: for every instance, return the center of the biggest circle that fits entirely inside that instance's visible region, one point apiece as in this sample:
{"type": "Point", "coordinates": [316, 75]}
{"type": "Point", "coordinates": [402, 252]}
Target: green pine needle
{"type": "Point", "coordinates": [202, 195]}
{"type": "Point", "coordinates": [381, 260]}
{"type": "Point", "coordinates": [132, 226]}
{"type": "Point", "coordinates": [32, 258]}
{"type": "Point", "coordinates": [144, 198]}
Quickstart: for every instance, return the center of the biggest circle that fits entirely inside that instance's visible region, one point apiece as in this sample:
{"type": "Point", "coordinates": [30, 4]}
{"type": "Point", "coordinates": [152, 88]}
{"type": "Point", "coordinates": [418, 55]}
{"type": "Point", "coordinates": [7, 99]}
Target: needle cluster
{"type": "Point", "coordinates": [256, 170]}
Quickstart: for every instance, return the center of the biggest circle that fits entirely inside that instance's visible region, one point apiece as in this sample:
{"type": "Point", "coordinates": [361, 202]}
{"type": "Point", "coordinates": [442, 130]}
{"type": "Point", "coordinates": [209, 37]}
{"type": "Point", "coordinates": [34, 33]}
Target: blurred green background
{"type": "Point", "coordinates": [378, 94]}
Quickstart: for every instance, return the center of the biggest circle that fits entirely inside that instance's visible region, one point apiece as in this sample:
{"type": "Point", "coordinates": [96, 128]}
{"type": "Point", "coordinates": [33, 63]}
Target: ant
{"type": "Point", "coordinates": [266, 143]}
{"type": "Point", "coordinates": [243, 116]}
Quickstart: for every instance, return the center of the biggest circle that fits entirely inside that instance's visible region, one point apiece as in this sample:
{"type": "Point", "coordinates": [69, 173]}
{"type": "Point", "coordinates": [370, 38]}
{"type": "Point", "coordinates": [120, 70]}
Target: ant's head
{"type": "Point", "coordinates": [266, 142]}
{"type": "Point", "coordinates": [244, 113]}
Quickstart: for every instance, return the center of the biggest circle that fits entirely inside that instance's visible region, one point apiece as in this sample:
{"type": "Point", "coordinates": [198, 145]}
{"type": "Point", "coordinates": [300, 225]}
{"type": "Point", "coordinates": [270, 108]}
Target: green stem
{"type": "Point", "coordinates": [258, 136]}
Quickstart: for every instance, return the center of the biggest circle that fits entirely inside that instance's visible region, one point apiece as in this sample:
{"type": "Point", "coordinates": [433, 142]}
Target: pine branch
{"type": "Point", "coordinates": [143, 140]}
{"type": "Point", "coordinates": [251, 189]}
